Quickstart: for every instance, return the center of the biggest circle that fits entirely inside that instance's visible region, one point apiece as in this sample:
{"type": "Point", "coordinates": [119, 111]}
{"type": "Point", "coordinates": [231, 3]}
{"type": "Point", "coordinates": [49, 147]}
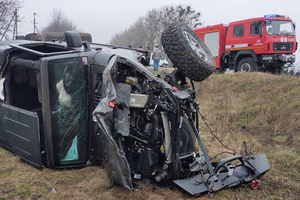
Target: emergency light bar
{"type": "Point", "coordinates": [275, 15]}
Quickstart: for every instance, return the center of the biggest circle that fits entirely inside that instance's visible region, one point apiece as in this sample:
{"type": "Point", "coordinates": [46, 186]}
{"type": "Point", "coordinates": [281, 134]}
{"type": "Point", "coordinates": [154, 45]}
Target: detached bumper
{"type": "Point", "coordinates": [226, 175]}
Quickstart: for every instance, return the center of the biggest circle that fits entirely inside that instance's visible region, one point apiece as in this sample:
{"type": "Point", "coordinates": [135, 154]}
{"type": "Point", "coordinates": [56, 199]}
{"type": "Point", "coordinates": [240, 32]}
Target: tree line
{"type": "Point", "coordinates": [146, 30]}
{"type": "Point", "coordinates": [58, 22]}
{"type": "Point", "coordinates": [7, 9]}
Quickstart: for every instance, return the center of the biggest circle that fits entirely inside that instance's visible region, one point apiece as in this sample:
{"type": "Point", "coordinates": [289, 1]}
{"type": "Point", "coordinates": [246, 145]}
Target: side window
{"type": "Point", "coordinates": [238, 31]}
{"type": "Point", "coordinates": [68, 103]}
{"type": "Point", "coordinates": [256, 28]}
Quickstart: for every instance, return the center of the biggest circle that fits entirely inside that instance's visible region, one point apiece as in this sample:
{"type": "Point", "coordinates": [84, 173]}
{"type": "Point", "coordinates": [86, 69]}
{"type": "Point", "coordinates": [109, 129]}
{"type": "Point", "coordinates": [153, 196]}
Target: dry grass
{"type": "Point", "coordinates": [262, 109]}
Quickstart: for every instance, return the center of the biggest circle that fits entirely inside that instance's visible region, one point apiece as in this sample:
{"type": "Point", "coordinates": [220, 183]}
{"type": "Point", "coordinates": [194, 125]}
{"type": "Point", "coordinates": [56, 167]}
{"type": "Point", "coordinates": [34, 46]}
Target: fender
{"type": "Point", "coordinates": [246, 52]}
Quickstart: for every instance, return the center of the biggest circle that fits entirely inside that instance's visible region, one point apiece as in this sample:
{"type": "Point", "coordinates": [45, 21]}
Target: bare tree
{"type": "Point", "coordinates": [146, 30]}
{"type": "Point", "coordinates": [7, 9]}
{"type": "Point", "coordinates": [179, 14]}
{"type": "Point", "coordinates": [59, 22]}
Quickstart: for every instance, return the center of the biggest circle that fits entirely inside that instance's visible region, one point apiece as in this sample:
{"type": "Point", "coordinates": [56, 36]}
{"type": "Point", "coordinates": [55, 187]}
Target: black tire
{"type": "Point", "coordinates": [164, 65]}
{"type": "Point", "coordinates": [281, 69]}
{"type": "Point", "coordinates": [86, 37]}
{"type": "Point", "coordinates": [247, 65]}
{"type": "Point", "coordinates": [33, 37]}
{"type": "Point", "coordinates": [276, 69]}
{"type": "Point", "coordinates": [220, 70]}
{"type": "Point", "coordinates": [60, 36]}
{"type": "Point", "coordinates": [196, 64]}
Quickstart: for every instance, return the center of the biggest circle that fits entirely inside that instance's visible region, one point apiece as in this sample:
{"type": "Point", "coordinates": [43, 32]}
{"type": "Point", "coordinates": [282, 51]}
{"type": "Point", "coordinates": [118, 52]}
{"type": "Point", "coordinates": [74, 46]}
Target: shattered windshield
{"type": "Point", "coordinates": [68, 104]}
{"type": "Point", "coordinates": [275, 27]}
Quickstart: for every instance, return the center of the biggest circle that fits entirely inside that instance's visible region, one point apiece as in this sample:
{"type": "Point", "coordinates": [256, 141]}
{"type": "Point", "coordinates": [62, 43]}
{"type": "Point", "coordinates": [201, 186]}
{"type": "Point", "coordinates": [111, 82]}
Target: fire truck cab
{"type": "Point", "coordinates": [259, 44]}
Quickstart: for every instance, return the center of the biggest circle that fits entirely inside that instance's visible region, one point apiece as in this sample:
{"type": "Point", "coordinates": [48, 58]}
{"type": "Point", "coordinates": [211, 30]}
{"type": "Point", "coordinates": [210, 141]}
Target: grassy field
{"type": "Point", "coordinates": [261, 109]}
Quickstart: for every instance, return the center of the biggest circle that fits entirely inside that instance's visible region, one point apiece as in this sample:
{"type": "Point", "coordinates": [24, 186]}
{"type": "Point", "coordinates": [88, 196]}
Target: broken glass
{"type": "Point", "coordinates": [69, 110]}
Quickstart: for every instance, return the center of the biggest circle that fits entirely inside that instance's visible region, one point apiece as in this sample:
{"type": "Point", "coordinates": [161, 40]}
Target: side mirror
{"type": "Point", "coordinates": [73, 39]}
{"type": "Point", "coordinates": [294, 25]}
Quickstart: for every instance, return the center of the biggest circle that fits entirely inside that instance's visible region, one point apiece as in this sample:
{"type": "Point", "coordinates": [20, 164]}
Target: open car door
{"type": "Point", "coordinates": [20, 133]}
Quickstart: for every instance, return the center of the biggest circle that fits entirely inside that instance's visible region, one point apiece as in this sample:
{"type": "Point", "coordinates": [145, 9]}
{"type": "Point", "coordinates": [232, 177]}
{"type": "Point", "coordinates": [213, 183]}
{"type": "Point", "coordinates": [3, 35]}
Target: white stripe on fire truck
{"type": "Point", "coordinates": [281, 39]}
{"type": "Point", "coordinates": [236, 46]}
{"type": "Point", "coordinates": [285, 39]}
{"type": "Point", "coordinates": [240, 45]}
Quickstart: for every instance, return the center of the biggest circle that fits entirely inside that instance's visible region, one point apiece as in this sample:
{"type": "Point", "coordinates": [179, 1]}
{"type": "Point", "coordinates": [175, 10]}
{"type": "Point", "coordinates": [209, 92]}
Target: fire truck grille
{"type": "Point", "coordinates": [283, 46]}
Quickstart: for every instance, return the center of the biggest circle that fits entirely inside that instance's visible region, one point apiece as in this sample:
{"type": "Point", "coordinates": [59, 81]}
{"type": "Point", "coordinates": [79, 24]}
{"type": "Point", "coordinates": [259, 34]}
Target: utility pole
{"type": "Point", "coordinates": [15, 33]}
{"type": "Point", "coordinates": [34, 24]}
{"type": "Point", "coordinates": [9, 26]}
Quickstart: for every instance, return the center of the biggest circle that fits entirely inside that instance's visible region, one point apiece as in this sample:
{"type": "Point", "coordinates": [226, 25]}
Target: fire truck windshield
{"type": "Point", "coordinates": [276, 27]}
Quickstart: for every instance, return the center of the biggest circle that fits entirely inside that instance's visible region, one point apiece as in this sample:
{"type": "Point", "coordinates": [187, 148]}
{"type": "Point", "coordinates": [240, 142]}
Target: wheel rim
{"type": "Point", "coordinates": [194, 44]}
{"type": "Point", "coordinates": [246, 67]}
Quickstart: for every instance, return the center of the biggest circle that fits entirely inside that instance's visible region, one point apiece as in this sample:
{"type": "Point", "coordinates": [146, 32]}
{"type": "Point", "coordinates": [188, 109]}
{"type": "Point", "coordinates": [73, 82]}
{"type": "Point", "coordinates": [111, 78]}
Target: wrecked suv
{"type": "Point", "coordinates": [73, 104]}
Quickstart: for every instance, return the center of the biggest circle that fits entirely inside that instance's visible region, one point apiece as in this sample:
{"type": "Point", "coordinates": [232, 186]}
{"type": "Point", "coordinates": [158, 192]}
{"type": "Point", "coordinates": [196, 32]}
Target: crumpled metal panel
{"type": "Point", "coordinates": [115, 160]}
{"type": "Point", "coordinates": [131, 57]}
{"type": "Point", "coordinates": [253, 168]}
{"type": "Point", "coordinates": [121, 113]}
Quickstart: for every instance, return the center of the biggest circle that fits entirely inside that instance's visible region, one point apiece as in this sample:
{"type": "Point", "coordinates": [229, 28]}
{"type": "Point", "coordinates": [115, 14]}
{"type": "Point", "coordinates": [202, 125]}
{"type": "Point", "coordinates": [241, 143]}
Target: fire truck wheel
{"type": "Point", "coordinates": [275, 69]}
{"type": "Point", "coordinates": [281, 69]}
{"type": "Point", "coordinates": [187, 52]}
{"type": "Point", "coordinates": [247, 65]}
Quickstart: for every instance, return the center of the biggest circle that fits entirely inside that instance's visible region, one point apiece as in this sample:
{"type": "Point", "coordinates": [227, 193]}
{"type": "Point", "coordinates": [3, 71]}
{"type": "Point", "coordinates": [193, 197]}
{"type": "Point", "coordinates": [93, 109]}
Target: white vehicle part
{"type": "Point", "coordinates": [2, 89]}
{"type": "Point", "coordinates": [64, 98]}
{"type": "Point", "coordinates": [168, 147]}
{"type": "Point", "coordinates": [131, 80]}
{"type": "Point", "coordinates": [138, 100]}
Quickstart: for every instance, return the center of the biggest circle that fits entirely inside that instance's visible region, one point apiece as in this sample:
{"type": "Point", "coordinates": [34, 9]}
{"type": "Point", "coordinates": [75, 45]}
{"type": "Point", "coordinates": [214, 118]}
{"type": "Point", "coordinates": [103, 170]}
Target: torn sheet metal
{"type": "Point", "coordinates": [109, 93]}
{"type": "Point", "coordinates": [226, 176]}
{"type": "Point", "coordinates": [116, 163]}
{"type": "Point", "coordinates": [132, 58]}
{"type": "Point", "coordinates": [121, 113]}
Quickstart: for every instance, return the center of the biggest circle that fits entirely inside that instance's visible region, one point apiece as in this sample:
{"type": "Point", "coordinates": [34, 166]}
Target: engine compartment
{"type": "Point", "coordinates": [148, 128]}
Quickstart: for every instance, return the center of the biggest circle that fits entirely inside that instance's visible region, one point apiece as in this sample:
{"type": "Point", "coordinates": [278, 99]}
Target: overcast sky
{"type": "Point", "coordinates": [103, 18]}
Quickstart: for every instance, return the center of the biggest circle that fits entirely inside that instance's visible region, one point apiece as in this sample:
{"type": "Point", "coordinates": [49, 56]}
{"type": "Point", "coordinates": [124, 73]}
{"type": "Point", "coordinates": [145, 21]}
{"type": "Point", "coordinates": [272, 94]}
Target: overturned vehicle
{"type": "Point", "coordinates": [73, 104]}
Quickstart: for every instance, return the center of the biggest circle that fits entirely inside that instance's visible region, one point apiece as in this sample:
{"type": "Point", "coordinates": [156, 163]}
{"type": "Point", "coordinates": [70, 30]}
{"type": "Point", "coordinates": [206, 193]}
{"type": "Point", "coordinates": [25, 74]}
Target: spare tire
{"type": "Point", "coordinates": [188, 52]}
{"type": "Point", "coordinates": [60, 36]}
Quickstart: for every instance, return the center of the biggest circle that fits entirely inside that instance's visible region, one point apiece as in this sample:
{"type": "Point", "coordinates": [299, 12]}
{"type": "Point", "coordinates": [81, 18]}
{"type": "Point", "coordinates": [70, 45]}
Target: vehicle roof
{"type": "Point", "coordinates": [260, 19]}
{"type": "Point", "coordinates": [62, 48]}
{"type": "Point", "coordinates": [9, 42]}
{"type": "Point", "coordinates": [211, 28]}
{"type": "Point", "coordinates": [41, 48]}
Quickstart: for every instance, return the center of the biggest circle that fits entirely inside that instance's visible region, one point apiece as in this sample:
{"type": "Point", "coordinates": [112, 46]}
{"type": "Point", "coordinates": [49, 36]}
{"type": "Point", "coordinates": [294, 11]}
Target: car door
{"type": "Point", "coordinates": [65, 110]}
{"type": "Point", "coordinates": [20, 133]}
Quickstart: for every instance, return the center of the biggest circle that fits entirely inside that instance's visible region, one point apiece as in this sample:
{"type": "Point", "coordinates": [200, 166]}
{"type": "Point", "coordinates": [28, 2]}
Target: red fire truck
{"type": "Point", "coordinates": [259, 44]}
